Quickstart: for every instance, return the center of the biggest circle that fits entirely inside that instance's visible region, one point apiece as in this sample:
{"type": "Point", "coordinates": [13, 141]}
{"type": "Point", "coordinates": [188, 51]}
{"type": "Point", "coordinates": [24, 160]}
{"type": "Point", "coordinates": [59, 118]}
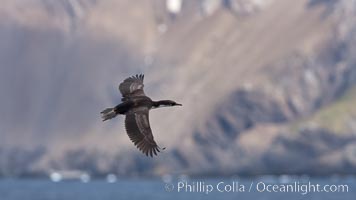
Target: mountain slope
{"type": "Point", "coordinates": [250, 84]}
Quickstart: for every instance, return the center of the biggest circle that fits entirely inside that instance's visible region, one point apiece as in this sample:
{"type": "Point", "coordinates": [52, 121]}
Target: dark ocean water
{"type": "Point", "coordinates": [224, 188]}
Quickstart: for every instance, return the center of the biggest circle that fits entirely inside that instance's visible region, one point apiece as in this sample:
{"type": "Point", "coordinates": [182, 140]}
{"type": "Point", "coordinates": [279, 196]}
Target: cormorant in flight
{"type": "Point", "coordinates": [136, 105]}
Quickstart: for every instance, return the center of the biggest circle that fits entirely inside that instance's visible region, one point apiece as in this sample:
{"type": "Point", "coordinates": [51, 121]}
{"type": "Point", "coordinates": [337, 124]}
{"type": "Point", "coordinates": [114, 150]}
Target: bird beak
{"type": "Point", "coordinates": [178, 104]}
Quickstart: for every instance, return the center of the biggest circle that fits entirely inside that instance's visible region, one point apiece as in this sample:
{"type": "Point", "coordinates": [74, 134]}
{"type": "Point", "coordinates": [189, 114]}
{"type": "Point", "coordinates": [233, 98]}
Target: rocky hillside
{"type": "Point", "coordinates": [267, 86]}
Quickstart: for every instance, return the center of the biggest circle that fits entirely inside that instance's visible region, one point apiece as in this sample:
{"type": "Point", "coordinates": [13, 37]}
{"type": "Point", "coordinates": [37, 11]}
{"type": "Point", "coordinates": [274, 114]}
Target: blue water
{"type": "Point", "coordinates": [159, 190]}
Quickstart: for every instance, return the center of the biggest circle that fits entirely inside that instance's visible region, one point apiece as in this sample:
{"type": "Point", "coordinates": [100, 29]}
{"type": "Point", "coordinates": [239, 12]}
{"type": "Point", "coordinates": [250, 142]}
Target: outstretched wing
{"type": "Point", "coordinates": [138, 128]}
{"type": "Point", "coordinates": [132, 86]}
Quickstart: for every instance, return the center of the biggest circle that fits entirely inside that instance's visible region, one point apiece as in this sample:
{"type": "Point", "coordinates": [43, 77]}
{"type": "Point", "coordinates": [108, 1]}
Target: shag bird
{"type": "Point", "coordinates": [136, 106]}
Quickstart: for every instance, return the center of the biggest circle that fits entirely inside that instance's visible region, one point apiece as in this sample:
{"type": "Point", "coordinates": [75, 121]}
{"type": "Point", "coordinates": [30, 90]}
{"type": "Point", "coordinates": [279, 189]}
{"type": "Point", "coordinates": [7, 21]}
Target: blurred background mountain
{"type": "Point", "coordinates": [267, 86]}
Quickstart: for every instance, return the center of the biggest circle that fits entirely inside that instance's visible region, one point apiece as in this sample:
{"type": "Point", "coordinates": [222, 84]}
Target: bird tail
{"type": "Point", "coordinates": [108, 113]}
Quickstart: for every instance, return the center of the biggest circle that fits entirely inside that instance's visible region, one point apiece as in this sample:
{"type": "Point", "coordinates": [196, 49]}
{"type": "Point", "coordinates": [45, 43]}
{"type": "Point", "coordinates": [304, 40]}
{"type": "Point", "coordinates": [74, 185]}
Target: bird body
{"type": "Point", "coordinates": [134, 103]}
{"type": "Point", "coordinates": [136, 106]}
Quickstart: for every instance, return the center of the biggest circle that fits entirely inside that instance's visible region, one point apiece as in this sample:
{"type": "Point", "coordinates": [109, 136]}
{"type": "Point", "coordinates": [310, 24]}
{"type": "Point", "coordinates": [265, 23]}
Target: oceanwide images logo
{"type": "Point", "coordinates": [260, 186]}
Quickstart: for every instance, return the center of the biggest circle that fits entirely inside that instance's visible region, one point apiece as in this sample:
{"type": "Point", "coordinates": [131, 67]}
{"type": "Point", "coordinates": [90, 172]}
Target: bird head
{"type": "Point", "coordinates": [165, 103]}
{"type": "Point", "coordinates": [173, 103]}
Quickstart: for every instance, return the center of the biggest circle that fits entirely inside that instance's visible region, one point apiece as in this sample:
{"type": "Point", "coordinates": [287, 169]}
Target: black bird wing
{"type": "Point", "coordinates": [138, 128]}
{"type": "Point", "coordinates": [132, 87]}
